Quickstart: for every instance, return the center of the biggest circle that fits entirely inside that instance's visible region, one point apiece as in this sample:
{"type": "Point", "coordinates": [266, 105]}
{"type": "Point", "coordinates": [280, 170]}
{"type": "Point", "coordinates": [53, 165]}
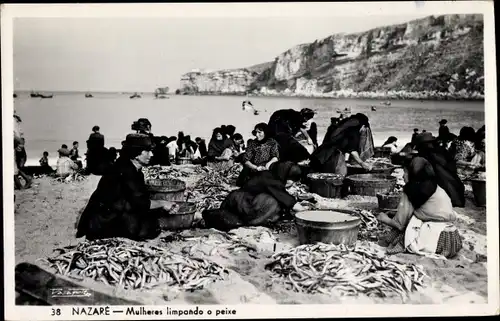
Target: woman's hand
{"type": "Point", "coordinates": [299, 208]}
{"type": "Point", "coordinates": [367, 166]}
{"type": "Point", "coordinates": [310, 142]}
{"type": "Point", "coordinates": [261, 168]}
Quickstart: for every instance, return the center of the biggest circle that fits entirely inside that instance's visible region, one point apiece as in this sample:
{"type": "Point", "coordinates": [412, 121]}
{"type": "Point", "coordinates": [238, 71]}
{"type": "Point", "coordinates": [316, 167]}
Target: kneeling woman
{"type": "Point", "coordinates": [423, 222]}
{"type": "Point", "coordinates": [120, 206]}
{"type": "Point", "coordinates": [262, 200]}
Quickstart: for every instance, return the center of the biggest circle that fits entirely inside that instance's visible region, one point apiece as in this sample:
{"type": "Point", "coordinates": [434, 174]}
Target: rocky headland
{"type": "Point", "coordinates": [437, 57]}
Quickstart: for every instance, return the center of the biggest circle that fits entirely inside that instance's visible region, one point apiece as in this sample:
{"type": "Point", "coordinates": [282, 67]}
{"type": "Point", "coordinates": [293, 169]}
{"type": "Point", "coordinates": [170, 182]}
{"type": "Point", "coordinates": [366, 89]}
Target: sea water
{"type": "Point", "coordinates": [68, 117]}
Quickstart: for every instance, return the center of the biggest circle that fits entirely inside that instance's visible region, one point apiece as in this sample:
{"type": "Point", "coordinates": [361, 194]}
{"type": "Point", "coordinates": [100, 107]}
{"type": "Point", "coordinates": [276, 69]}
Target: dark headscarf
{"type": "Point", "coordinates": [390, 140]}
{"type": "Point", "coordinates": [284, 171]}
{"type": "Point", "coordinates": [467, 133]}
{"type": "Point", "coordinates": [216, 147]}
{"type": "Point", "coordinates": [422, 182]}
{"type": "Point", "coordinates": [230, 130]}
{"type": "Point", "coordinates": [264, 128]}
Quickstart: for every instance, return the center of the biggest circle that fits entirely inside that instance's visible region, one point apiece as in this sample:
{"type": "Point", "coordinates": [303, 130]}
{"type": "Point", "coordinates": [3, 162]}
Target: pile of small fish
{"type": "Point", "coordinates": [326, 176]}
{"type": "Point", "coordinates": [213, 188]}
{"type": "Point", "coordinates": [134, 265]}
{"type": "Point", "coordinates": [75, 177]}
{"type": "Point", "coordinates": [379, 160]}
{"type": "Point", "coordinates": [298, 189]}
{"type": "Point", "coordinates": [163, 172]}
{"type": "Point", "coordinates": [335, 269]}
{"type": "Point", "coordinates": [370, 229]}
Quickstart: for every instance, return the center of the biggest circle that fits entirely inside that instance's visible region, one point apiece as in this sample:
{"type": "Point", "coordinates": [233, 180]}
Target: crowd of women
{"type": "Point", "coordinates": [283, 151]}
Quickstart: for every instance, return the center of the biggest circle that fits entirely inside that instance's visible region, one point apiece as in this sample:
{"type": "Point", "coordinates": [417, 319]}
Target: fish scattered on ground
{"type": "Point", "coordinates": [134, 265]}
{"type": "Point", "coordinates": [328, 269]}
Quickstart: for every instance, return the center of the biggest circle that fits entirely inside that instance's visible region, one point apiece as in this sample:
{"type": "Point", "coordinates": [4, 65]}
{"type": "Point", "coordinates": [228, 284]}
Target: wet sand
{"type": "Point", "coordinates": [45, 217]}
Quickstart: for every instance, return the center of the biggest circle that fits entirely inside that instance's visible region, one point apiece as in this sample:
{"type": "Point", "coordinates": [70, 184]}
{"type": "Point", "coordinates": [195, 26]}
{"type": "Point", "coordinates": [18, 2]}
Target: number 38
{"type": "Point", "coordinates": [56, 312]}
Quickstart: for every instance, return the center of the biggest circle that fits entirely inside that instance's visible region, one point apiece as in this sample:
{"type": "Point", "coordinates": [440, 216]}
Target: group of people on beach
{"type": "Point", "coordinates": [282, 152]}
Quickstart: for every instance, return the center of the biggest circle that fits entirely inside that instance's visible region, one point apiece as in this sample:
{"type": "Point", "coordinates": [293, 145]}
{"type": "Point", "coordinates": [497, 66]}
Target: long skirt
{"type": "Point", "coordinates": [241, 208]}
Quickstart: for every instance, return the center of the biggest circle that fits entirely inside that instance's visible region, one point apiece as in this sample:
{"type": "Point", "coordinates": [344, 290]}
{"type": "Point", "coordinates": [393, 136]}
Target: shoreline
{"type": "Point", "coordinates": [392, 95]}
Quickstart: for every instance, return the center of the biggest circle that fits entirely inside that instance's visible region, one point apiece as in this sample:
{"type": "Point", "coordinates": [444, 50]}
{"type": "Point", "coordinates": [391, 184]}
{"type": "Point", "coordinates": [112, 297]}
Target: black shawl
{"type": "Point", "coordinates": [422, 182]}
{"type": "Point", "coordinates": [446, 172]}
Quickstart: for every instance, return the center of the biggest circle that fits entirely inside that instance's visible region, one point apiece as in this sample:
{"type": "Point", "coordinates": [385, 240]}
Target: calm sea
{"type": "Point", "coordinates": [48, 123]}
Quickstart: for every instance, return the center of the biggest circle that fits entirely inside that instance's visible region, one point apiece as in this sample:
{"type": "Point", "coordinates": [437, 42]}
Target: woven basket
{"type": "Point", "coordinates": [184, 161]}
{"type": "Point", "coordinates": [330, 187]}
{"type": "Point", "coordinates": [169, 189]}
{"type": "Point", "coordinates": [370, 184]}
{"type": "Point", "coordinates": [182, 219]}
{"type": "Point", "coordinates": [380, 168]}
{"type": "Point", "coordinates": [388, 202]}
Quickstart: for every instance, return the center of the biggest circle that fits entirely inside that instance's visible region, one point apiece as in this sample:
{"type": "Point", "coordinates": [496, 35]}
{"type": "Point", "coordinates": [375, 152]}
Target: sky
{"type": "Point", "coordinates": [141, 54]}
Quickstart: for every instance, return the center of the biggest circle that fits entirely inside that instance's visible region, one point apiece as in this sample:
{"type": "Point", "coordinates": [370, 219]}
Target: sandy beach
{"type": "Point", "coordinates": [45, 217]}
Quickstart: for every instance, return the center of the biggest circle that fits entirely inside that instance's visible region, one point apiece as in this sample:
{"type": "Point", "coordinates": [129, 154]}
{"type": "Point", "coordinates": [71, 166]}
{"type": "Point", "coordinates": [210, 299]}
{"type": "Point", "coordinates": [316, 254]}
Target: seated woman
{"type": "Point", "coordinates": [444, 166]}
{"type": "Point", "coordinates": [352, 136]}
{"type": "Point", "coordinates": [239, 147]}
{"type": "Point", "coordinates": [463, 150]}
{"type": "Point", "coordinates": [262, 200]}
{"type": "Point", "coordinates": [121, 206]}
{"type": "Point", "coordinates": [259, 156]}
{"type": "Point", "coordinates": [220, 150]}
{"type": "Point", "coordinates": [391, 142]}
{"type": "Point", "coordinates": [424, 220]}
{"type": "Point", "coordinates": [65, 166]}
{"type": "Point", "coordinates": [478, 162]}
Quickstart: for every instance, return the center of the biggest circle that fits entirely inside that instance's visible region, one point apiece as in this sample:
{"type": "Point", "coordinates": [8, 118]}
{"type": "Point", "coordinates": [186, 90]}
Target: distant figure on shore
{"type": "Point", "coordinates": [161, 156]}
{"type": "Point", "coordinates": [121, 205]}
{"type": "Point", "coordinates": [172, 148]}
{"type": "Point", "coordinates": [18, 140]}
{"type": "Point", "coordinates": [96, 152]}
{"type": "Point", "coordinates": [65, 166]}
{"type": "Point", "coordinates": [113, 153]}
{"type": "Point", "coordinates": [44, 164]}
{"type": "Point", "coordinates": [414, 135]}
{"type": "Point", "coordinates": [391, 142]}
{"type": "Point", "coordinates": [75, 157]}
{"type": "Point", "coordinates": [202, 147]}
{"type": "Point", "coordinates": [444, 133]}
{"type": "Point", "coordinates": [180, 140]}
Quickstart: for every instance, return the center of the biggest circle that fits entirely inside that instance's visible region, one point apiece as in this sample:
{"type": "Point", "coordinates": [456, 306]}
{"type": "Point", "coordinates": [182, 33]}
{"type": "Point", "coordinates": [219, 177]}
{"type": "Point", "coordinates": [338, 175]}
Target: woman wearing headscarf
{"type": "Point", "coordinates": [121, 206]}
{"type": "Point", "coordinates": [424, 220]}
{"type": "Point", "coordinates": [220, 150]}
{"type": "Point", "coordinates": [391, 142]}
{"type": "Point", "coordinates": [284, 126]}
{"type": "Point", "coordinates": [352, 136]}
{"type": "Point", "coordinates": [444, 166]}
{"type": "Point", "coordinates": [259, 155]}
{"type": "Point", "coordinates": [263, 199]}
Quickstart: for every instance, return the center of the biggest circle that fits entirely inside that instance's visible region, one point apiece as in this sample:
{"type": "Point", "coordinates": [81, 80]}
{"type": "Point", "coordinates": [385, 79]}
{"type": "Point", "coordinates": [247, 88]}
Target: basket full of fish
{"type": "Point", "coordinates": [370, 184]}
{"type": "Point", "coordinates": [133, 265]}
{"type": "Point", "coordinates": [390, 201]}
{"type": "Point", "coordinates": [181, 216]}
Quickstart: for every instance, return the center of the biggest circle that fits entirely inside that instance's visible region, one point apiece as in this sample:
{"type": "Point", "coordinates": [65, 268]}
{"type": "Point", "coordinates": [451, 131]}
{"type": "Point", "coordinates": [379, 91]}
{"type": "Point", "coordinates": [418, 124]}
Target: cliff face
{"type": "Point", "coordinates": [434, 56]}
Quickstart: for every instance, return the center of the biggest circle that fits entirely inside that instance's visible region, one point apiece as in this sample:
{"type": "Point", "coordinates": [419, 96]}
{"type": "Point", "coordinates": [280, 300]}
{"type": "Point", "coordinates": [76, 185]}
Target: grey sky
{"type": "Point", "coordinates": [140, 54]}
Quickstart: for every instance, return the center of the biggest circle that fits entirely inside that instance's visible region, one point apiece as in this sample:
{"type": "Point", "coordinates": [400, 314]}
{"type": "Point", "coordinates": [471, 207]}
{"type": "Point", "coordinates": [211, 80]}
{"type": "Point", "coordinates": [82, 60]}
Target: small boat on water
{"type": "Point", "coordinates": [135, 95]}
{"type": "Point", "coordinates": [161, 96]}
{"type": "Point", "coordinates": [15, 96]}
{"type": "Point", "coordinates": [374, 108]}
{"type": "Point", "coordinates": [88, 95]}
{"type": "Point", "coordinates": [38, 95]}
